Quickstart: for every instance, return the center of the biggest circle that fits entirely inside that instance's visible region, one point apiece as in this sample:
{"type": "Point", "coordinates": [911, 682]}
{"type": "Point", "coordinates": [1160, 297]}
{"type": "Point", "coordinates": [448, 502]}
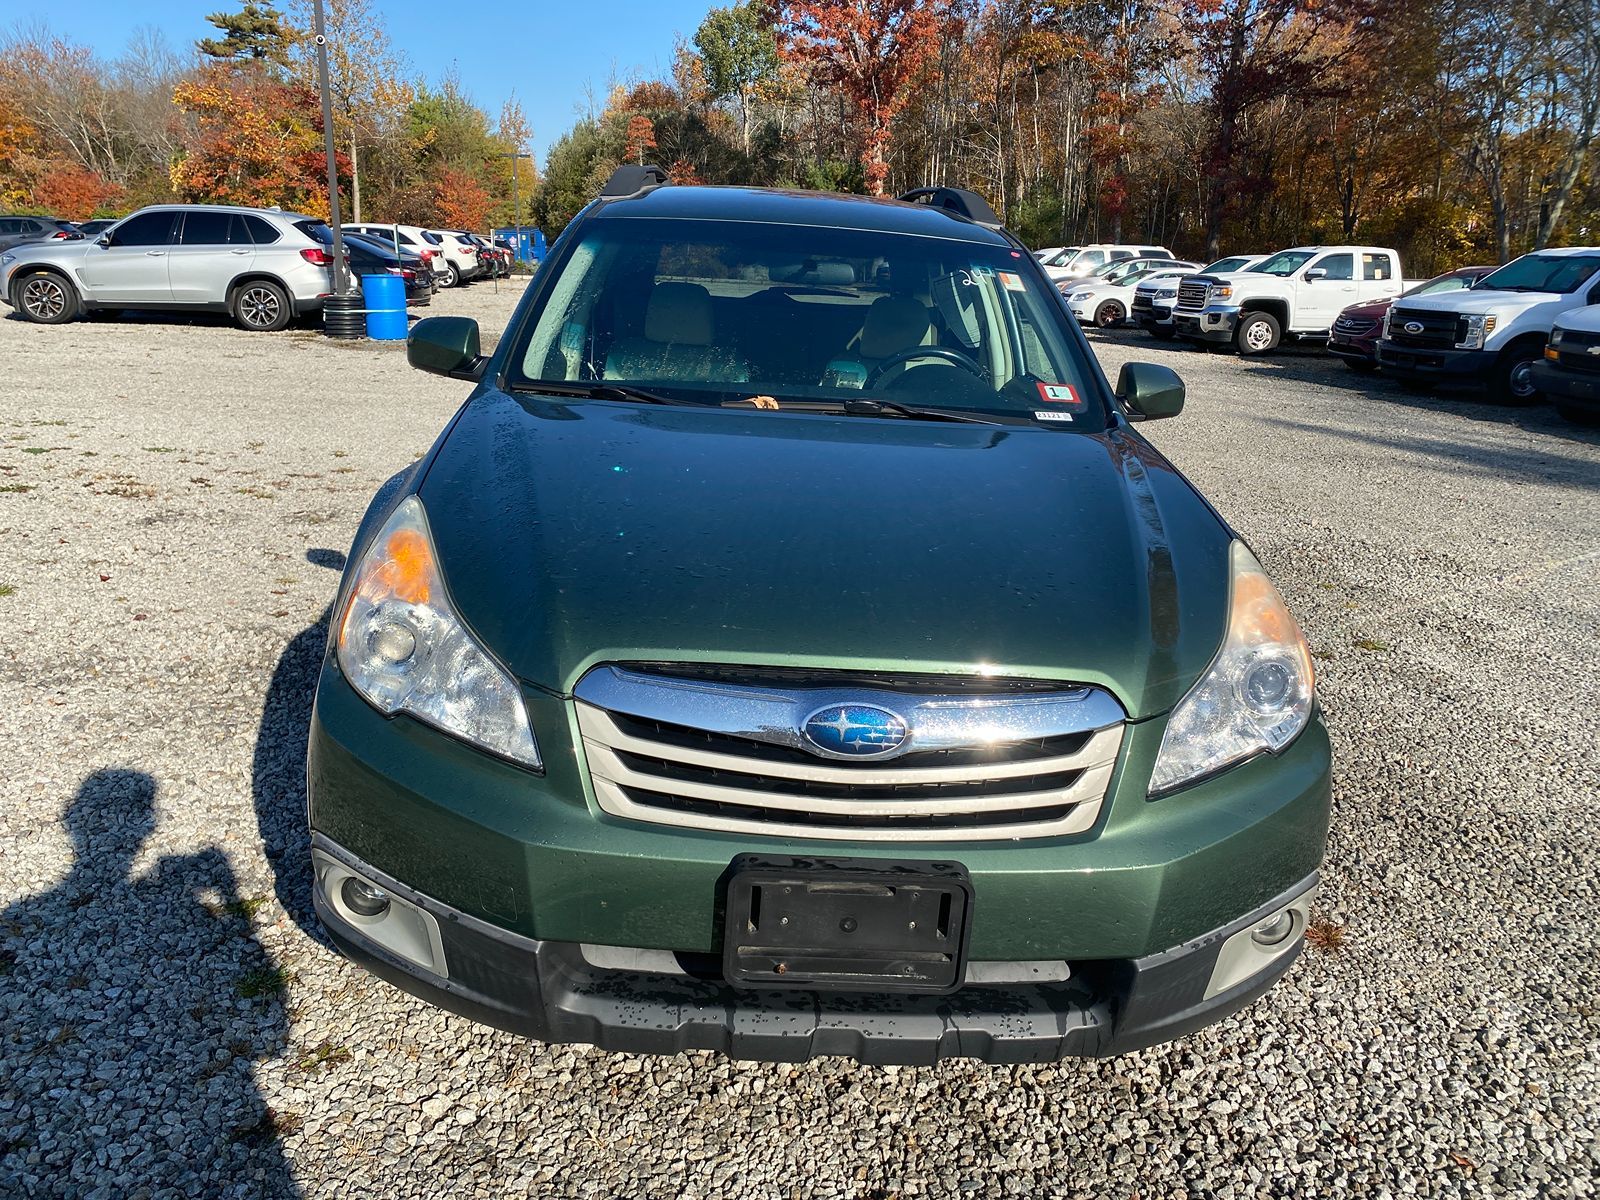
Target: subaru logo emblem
{"type": "Point", "coordinates": [1413, 326]}
{"type": "Point", "coordinates": [854, 731]}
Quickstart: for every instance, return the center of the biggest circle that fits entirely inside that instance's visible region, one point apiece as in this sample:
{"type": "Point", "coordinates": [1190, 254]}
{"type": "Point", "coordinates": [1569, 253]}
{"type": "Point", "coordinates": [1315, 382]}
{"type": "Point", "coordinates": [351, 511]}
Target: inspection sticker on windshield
{"type": "Point", "coordinates": [1011, 281]}
{"type": "Point", "coordinates": [1052, 415]}
{"type": "Point", "coordinates": [1059, 393]}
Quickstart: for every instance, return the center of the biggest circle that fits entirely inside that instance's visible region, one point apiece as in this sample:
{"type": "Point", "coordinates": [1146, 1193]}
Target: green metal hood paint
{"type": "Point", "coordinates": [573, 533]}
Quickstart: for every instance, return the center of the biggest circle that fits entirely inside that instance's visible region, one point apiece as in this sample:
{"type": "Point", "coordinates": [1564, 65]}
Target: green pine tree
{"type": "Point", "coordinates": [257, 33]}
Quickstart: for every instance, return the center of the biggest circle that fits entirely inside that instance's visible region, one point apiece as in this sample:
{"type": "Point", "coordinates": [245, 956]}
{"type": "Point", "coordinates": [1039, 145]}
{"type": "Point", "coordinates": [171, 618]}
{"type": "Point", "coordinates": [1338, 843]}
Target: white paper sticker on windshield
{"type": "Point", "coordinates": [1012, 282]}
{"type": "Point", "coordinates": [1054, 415]}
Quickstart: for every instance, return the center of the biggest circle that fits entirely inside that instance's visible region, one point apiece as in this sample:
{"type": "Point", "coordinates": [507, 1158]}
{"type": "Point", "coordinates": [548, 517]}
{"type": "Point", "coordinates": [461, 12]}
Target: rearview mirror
{"type": "Point", "coordinates": [446, 346]}
{"type": "Point", "coordinates": [1150, 392]}
{"type": "Point", "coordinates": [1315, 273]}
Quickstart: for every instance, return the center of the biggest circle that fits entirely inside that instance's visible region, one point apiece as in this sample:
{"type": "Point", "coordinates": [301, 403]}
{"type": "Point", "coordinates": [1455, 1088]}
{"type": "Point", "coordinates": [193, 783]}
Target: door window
{"type": "Point", "coordinates": [10, 225]}
{"type": "Point", "coordinates": [210, 229]}
{"type": "Point", "coordinates": [1375, 266]}
{"type": "Point", "coordinates": [147, 229]}
{"type": "Point", "coordinates": [1338, 266]}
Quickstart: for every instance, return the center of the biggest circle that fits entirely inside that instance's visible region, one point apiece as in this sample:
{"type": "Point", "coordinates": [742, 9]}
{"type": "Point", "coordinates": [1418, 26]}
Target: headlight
{"type": "Point", "coordinates": [1555, 335]}
{"type": "Point", "coordinates": [402, 646]}
{"type": "Point", "coordinates": [1081, 296]}
{"type": "Point", "coordinates": [1168, 295]}
{"type": "Point", "coordinates": [1473, 330]}
{"type": "Point", "coordinates": [1255, 695]}
{"type": "Point", "coordinates": [7, 259]}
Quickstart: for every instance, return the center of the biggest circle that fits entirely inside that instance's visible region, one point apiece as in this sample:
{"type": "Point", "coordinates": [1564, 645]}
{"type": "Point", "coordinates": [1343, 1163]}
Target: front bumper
{"type": "Point", "coordinates": [554, 992]}
{"type": "Point", "coordinates": [1360, 349]}
{"type": "Point", "coordinates": [1572, 389]}
{"type": "Point", "coordinates": [1468, 366]}
{"type": "Point", "coordinates": [1157, 316]}
{"type": "Point", "coordinates": [1214, 323]}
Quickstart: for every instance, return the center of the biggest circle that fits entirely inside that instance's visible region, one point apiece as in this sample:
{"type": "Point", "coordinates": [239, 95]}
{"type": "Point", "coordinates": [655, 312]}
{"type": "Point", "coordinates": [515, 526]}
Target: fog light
{"type": "Point", "coordinates": [361, 898]}
{"type": "Point", "coordinates": [1275, 930]}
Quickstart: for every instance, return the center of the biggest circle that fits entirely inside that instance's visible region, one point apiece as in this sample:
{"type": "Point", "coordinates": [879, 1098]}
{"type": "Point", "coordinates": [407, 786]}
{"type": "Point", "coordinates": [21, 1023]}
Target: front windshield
{"type": "Point", "coordinates": [1542, 273]}
{"type": "Point", "coordinates": [1284, 264]}
{"type": "Point", "coordinates": [1225, 266]}
{"type": "Point", "coordinates": [1444, 283]}
{"type": "Point", "coordinates": [740, 313]}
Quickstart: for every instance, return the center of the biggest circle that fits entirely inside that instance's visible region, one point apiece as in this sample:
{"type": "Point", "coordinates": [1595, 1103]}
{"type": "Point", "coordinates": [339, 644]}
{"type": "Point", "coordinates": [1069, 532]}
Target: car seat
{"type": "Point", "coordinates": [679, 342]}
{"type": "Point", "coordinates": [893, 325]}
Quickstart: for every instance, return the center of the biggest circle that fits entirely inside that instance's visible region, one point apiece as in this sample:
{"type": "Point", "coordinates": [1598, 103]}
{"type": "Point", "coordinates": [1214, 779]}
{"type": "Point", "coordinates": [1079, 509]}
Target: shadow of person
{"type": "Point", "coordinates": [131, 1010]}
{"type": "Point", "coordinates": [278, 766]}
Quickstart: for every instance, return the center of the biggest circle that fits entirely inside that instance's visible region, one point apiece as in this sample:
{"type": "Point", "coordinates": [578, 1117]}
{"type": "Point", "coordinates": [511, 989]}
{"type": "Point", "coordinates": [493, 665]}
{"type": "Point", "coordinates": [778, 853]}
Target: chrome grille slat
{"type": "Point", "coordinates": [767, 788]}
{"type": "Point", "coordinates": [1192, 294]}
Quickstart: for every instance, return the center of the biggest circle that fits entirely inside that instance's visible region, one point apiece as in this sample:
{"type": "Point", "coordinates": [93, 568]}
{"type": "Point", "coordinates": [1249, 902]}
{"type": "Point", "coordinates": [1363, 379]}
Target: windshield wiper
{"type": "Point", "coordinates": [602, 391]}
{"type": "Point", "coordinates": [866, 407]}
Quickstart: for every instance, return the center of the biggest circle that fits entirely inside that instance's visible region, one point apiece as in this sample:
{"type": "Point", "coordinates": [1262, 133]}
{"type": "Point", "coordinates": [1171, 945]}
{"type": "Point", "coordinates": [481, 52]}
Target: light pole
{"type": "Point", "coordinates": [516, 210]}
{"type": "Point", "coordinates": [341, 281]}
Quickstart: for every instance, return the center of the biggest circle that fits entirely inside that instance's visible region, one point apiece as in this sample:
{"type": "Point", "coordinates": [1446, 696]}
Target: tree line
{"type": "Point", "coordinates": [235, 118]}
{"type": "Point", "coordinates": [1454, 130]}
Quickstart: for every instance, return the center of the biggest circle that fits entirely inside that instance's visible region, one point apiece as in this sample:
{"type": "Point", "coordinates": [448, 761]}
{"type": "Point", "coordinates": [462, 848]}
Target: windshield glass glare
{"type": "Point", "coordinates": [1286, 263]}
{"type": "Point", "coordinates": [1542, 273]}
{"type": "Point", "coordinates": [720, 312]}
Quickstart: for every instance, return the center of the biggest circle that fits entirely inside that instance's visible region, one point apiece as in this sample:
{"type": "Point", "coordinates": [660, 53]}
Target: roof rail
{"type": "Point", "coordinates": [959, 201]}
{"type": "Point", "coordinates": [632, 180]}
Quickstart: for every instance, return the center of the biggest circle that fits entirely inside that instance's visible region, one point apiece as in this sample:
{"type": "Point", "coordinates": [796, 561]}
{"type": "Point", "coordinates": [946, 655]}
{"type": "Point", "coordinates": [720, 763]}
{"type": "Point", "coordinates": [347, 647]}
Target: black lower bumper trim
{"type": "Point", "coordinates": [549, 991]}
{"type": "Point", "coordinates": [1464, 365]}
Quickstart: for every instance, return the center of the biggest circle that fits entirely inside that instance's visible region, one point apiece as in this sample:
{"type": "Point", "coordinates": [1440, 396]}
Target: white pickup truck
{"type": "Point", "coordinates": [1295, 293]}
{"type": "Point", "coordinates": [1494, 332]}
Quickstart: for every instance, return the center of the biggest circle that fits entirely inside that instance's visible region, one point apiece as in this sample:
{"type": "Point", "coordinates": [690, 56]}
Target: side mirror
{"type": "Point", "coordinates": [446, 346]}
{"type": "Point", "coordinates": [1315, 273]}
{"type": "Point", "coordinates": [103, 240]}
{"type": "Point", "coordinates": [1150, 392]}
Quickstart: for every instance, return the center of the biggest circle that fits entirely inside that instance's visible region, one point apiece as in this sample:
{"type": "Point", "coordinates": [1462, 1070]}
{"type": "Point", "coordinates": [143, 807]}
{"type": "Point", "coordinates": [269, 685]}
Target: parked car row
{"type": "Point", "coordinates": [1522, 330]}
{"type": "Point", "coordinates": [260, 266]}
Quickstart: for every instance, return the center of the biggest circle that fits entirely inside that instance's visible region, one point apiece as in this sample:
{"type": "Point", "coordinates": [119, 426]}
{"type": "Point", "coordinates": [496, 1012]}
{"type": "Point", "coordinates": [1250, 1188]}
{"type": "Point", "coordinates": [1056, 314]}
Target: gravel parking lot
{"type": "Point", "coordinates": [175, 500]}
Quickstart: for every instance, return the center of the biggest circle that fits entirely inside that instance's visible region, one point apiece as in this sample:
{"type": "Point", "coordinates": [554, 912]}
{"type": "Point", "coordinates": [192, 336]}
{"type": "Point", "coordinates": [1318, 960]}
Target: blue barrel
{"type": "Point", "coordinates": [385, 300]}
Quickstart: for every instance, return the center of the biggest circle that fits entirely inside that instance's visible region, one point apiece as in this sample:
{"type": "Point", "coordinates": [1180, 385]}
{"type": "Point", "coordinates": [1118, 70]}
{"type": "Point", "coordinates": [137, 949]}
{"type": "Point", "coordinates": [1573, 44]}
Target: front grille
{"type": "Point", "coordinates": [1192, 294]}
{"type": "Point", "coordinates": [1580, 351]}
{"type": "Point", "coordinates": [1437, 332]}
{"type": "Point", "coordinates": [1035, 764]}
{"type": "Point", "coordinates": [1143, 302]}
{"type": "Point", "coordinates": [1354, 325]}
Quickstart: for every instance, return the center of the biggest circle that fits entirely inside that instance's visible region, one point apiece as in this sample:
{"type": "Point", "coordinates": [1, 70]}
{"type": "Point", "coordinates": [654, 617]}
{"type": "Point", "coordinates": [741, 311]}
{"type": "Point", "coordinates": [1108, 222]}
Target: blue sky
{"type": "Point", "coordinates": [544, 51]}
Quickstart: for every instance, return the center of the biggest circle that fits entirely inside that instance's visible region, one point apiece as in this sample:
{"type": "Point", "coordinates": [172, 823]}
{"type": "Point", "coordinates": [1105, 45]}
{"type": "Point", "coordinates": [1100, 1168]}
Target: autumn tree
{"type": "Point", "coordinates": [1249, 53]}
{"type": "Point", "coordinates": [74, 193]}
{"type": "Point", "coordinates": [641, 137]}
{"type": "Point", "coordinates": [460, 200]}
{"type": "Point", "coordinates": [256, 141]}
{"type": "Point", "coordinates": [871, 50]}
{"type": "Point", "coordinates": [366, 76]}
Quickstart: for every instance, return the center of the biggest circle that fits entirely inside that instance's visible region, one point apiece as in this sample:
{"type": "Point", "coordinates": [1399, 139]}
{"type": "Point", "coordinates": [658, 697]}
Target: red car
{"type": "Point", "coordinates": [1355, 334]}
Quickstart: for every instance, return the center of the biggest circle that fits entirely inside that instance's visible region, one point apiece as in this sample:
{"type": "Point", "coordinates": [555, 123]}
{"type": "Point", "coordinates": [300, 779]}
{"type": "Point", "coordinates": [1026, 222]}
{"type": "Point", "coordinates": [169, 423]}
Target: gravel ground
{"type": "Point", "coordinates": [175, 499]}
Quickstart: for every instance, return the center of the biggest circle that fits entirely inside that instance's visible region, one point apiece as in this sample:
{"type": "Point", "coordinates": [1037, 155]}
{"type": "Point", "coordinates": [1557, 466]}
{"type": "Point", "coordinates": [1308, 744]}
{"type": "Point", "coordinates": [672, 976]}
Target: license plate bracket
{"type": "Point", "coordinates": [846, 924]}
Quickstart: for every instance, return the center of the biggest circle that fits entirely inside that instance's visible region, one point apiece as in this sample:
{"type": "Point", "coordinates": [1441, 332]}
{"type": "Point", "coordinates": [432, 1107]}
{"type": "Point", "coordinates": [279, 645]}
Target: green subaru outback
{"type": "Point", "coordinates": [792, 648]}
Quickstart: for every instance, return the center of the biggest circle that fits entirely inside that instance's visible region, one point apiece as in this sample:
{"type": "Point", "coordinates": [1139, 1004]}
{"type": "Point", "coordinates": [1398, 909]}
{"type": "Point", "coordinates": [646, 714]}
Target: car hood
{"type": "Point", "coordinates": [575, 533]}
{"type": "Point", "coordinates": [1370, 310]}
{"type": "Point", "coordinates": [1474, 301]}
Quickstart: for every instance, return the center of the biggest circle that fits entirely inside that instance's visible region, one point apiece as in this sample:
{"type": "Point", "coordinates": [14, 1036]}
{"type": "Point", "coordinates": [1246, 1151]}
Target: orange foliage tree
{"type": "Point", "coordinates": [256, 140]}
{"type": "Point", "coordinates": [74, 192]}
{"type": "Point", "coordinates": [461, 200]}
{"type": "Point", "coordinates": [871, 50]}
{"type": "Point", "coordinates": [640, 138]}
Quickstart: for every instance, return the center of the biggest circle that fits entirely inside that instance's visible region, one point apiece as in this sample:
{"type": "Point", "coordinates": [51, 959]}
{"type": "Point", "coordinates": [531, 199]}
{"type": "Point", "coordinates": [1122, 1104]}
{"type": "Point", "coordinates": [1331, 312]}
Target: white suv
{"type": "Point", "coordinates": [423, 242]}
{"type": "Point", "coordinates": [1078, 262]}
{"type": "Point", "coordinates": [460, 253]}
{"type": "Point", "coordinates": [259, 265]}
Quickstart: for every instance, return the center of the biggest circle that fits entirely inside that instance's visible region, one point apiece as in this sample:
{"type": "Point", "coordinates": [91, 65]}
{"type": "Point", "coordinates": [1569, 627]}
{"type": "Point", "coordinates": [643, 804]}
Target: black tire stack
{"type": "Point", "coordinates": [344, 317]}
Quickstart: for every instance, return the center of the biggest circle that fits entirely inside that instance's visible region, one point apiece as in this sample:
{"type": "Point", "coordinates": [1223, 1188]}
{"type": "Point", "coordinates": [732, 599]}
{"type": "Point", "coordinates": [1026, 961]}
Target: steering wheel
{"type": "Point", "coordinates": [954, 357]}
